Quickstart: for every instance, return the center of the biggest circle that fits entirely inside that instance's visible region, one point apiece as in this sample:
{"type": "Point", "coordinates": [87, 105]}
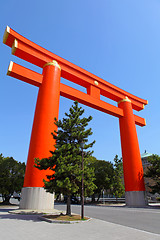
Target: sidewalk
{"type": "Point", "coordinates": [29, 227]}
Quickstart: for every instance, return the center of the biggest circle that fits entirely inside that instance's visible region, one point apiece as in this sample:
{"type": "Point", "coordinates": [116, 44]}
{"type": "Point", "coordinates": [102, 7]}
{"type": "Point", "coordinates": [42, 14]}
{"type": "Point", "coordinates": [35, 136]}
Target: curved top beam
{"type": "Point", "coordinates": [29, 51]}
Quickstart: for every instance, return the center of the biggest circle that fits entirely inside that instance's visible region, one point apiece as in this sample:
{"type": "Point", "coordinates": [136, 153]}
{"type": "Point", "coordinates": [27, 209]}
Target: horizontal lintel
{"type": "Point", "coordinates": [90, 101]}
{"type": "Point", "coordinates": [34, 78]}
{"type": "Point", "coordinates": [100, 105]}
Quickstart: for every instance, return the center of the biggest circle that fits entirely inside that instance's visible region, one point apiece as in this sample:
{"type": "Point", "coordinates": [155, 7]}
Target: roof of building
{"type": "Point", "coordinates": [146, 154]}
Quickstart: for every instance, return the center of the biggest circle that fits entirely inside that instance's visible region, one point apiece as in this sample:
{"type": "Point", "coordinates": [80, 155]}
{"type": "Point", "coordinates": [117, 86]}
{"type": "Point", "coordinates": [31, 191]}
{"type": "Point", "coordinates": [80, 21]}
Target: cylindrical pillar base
{"type": "Point", "coordinates": [36, 198]}
{"type": "Point", "coordinates": [135, 198]}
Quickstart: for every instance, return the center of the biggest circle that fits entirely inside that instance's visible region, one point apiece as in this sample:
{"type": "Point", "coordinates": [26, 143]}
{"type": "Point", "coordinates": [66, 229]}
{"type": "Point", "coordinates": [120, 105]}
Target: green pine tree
{"type": "Point", "coordinates": [66, 160]}
{"type": "Point", "coordinates": [118, 189]}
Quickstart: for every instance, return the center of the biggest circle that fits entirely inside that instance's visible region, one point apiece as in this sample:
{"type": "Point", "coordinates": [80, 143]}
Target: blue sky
{"type": "Point", "coordinates": [117, 40]}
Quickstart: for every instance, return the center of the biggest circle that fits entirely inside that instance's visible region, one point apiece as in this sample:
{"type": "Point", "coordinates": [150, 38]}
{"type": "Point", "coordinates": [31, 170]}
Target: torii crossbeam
{"type": "Point", "coordinates": [47, 108]}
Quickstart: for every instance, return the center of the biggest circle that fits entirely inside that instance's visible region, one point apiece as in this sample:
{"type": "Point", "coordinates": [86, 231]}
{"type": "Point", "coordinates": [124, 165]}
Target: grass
{"type": "Point", "coordinates": [62, 217]}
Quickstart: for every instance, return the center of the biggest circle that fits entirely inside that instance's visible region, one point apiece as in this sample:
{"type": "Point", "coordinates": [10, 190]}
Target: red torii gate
{"type": "Point", "coordinates": [47, 108]}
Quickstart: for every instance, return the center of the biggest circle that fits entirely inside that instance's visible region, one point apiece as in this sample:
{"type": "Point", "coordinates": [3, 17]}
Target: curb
{"type": "Point", "coordinates": [43, 218]}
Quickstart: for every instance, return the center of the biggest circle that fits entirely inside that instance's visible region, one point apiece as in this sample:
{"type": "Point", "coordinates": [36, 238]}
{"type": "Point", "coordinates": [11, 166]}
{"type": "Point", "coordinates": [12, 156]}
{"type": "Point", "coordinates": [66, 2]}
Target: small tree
{"type": "Point", "coordinates": [118, 186]}
{"type": "Point", "coordinates": [153, 172]}
{"type": "Point", "coordinates": [66, 160]}
{"type": "Point", "coordinates": [104, 172]}
{"type": "Point", "coordinates": [11, 177]}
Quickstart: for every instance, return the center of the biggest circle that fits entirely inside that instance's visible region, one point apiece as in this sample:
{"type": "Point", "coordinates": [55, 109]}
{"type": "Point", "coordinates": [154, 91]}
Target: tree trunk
{"type": "Point", "coordinates": [6, 199]}
{"type": "Point", "coordinates": [68, 212]}
{"type": "Point", "coordinates": [57, 196]}
{"type": "Point", "coordinates": [93, 198]}
{"type": "Point", "coordinates": [99, 195]}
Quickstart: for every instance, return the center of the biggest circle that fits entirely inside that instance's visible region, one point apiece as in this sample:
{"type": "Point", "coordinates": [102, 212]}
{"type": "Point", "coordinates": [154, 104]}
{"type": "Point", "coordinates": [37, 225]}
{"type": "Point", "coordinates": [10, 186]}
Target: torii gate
{"type": "Point", "coordinates": [47, 108]}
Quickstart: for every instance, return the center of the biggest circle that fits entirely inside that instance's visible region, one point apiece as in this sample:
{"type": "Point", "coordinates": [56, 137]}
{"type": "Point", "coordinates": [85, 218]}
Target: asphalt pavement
{"type": "Point", "coordinates": [29, 227]}
{"type": "Point", "coordinates": [146, 219]}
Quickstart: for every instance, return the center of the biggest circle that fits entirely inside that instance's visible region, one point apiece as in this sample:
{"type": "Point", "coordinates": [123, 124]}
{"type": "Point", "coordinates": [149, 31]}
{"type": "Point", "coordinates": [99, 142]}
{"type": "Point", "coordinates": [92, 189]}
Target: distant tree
{"type": "Point", "coordinates": [153, 172]}
{"type": "Point", "coordinates": [11, 177]}
{"type": "Point", "coordinates": [118, 189]}
{"type": "Point", "coordinates": [89, 176]}
{"type": "Point", "coordinates": [104, 173]}
{"type": "Point", "coordinates": [66, 160]}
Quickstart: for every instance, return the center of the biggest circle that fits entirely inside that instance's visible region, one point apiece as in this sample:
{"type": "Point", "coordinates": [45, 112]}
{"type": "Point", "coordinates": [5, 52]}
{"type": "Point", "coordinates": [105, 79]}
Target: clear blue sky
{"type": "Point", "coordinates": [118, 41]}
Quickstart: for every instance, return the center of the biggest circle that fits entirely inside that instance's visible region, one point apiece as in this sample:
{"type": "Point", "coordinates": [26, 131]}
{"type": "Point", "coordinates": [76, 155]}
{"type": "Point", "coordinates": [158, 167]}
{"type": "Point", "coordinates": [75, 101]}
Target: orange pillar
{"type": "Point", "coordinates": [132, 164]}
{"type": "Point", "coordinates": [47, 108]}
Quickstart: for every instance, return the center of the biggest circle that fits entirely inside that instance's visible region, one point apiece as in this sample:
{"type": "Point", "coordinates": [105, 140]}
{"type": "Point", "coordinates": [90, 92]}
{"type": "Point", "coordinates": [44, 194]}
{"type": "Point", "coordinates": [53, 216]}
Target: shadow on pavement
{"type": "Point", "coordinates": [33, 218]}
{"type": "Point", "coordinates": [26, 217]}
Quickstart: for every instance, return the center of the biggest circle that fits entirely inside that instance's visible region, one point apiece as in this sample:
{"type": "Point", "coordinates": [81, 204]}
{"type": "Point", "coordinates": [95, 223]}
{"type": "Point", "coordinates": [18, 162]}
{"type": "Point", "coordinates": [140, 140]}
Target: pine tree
{"type": "Point", "coordinates": [66, 160]}
{"type": "Point", "coordinates": [118, 186]}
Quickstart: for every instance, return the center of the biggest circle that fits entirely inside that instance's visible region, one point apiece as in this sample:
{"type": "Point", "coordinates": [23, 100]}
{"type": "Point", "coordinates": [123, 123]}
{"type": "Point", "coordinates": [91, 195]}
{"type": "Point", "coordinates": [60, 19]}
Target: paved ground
{"type": "Point", "coordinates": [29, 227]}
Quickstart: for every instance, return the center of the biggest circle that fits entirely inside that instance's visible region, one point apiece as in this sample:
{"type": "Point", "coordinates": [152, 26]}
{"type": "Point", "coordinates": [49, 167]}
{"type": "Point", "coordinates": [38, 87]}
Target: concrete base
{"type": "Point", "coordinates": [36, 198]}
{"type": "Point", "coordinates": [136, 199]}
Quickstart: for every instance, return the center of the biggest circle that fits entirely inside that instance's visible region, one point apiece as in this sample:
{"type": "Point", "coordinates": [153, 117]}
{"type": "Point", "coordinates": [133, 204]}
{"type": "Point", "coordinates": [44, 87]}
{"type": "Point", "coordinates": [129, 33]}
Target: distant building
{"type": "Point", "coordinates": [144, 157]}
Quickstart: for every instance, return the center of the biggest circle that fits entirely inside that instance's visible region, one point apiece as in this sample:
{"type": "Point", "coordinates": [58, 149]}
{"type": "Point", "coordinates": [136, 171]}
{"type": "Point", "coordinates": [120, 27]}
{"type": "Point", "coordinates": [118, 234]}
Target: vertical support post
{"type": "Point", "coordinates": [132, 164]}
{"type": "Point", "coordinates": [82, 203]}
{"type": "Point", "coordinates": [93, 91]}
{"type": "Point", "coordinates": [42, 142]}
